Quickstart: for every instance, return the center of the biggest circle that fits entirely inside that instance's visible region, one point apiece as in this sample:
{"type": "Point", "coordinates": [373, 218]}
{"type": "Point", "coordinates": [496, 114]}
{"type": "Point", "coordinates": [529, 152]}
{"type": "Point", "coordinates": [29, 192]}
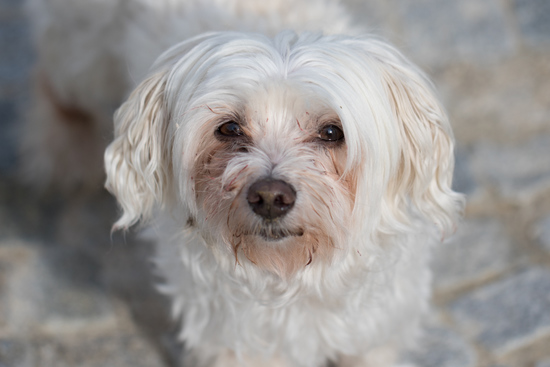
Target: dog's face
{"type": "Point", "coordinates": [269, 177]}
{"type": "Point", "coordinates": [284, 153]}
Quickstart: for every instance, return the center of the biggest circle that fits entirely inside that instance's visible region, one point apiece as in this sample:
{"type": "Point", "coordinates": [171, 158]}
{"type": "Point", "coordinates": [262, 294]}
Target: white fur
{"type": "Point", "coordinates": [375, 205]}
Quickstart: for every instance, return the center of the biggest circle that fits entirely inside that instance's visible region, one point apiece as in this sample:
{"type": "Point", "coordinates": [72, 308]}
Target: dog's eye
{"type": "Point", "coordinates": [229, 129]}
{"type": "Point", "coordinates": [331, 133]}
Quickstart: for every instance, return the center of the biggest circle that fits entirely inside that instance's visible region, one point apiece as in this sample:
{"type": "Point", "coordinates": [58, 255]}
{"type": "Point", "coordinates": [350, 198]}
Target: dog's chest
{"type": "Point", "coordinates": [260, 316]}
{"type": "Point", "coordinates": [229, 306]}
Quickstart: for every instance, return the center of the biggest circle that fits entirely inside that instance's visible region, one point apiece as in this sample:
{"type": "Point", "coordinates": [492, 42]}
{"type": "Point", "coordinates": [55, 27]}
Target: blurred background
{"type": "Point", "coordinates": [83, 298]}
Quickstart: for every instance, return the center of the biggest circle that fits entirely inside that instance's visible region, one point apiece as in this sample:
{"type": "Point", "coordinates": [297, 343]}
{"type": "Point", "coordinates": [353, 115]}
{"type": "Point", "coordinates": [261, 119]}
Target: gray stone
{"type": "Point", "coordinates": [52, 298]}
{"type": "Point", "coordinates": [545, 363]}
{"type": "Point", "coordinates": [9, 227]}
{"type": "Point", "coordinates": [16, 264]}
{"type": "Point", "coordinates": [72, 291]}
{"type": "Point", "coordinates": [442, 347]}
{"type": "Point", "coordinates": [123, 350]}
{"type": "Point", "coordinates": [438, 32]}
{"type": "Point", "coordinates": [113, 351]}
{"type": "Point", "coordinates": [534, 20]}
{"type": "Point", "coordinates": [479, 249]}
{"type": "Point", "coordinates": [463, 179]}
{"type": "Point", "coordinates": [7, 137]}
{"type": "Point", "coordinates": [375, 16]}
{"type": "Point", "coordinates": [507, 314]}
{"type": "Point", "coordinates": [13, 353]}
{"type": "Point", "coordinates": [519, 172]}
{"type": "Point", "coordinates": [51, 289]}
{"type": "Point", "coordinates": [542, 233]}
{"type": "Point", "coordinates": [507, 102]}
{"type": "Point", "coordinates": [16, 51]}
{"type": "Point", "coordinates": [10, 4]}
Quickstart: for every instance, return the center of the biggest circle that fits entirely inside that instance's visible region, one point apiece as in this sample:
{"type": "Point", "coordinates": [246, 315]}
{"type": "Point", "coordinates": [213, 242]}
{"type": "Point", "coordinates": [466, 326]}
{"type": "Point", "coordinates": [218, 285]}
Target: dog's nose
{"type": "Point", "coordinates": [271, 199]}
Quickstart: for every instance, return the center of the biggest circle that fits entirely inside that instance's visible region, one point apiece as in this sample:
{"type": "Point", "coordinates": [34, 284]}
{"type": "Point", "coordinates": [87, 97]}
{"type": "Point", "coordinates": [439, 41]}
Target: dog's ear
{"type": "Point", "coordinates": [137, 162]}
{"type": "Point", "coordinates": [425, 169]}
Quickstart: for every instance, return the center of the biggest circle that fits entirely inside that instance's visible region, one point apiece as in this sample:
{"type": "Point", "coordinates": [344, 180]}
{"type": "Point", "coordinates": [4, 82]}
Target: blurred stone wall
{"type": "Point", "coordinates": [488, 58]}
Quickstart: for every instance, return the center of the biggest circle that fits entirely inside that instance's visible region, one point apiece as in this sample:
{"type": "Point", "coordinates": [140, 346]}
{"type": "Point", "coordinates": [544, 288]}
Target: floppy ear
{"type": "Point", "coordinates": [425, 170]}
{"type": "Point", "coordinates": [137, 161]}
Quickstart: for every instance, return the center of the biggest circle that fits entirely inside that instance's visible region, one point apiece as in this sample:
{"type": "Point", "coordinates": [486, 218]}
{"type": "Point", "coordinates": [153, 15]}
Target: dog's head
{"type": "Point", "coordinates": [284, 151]}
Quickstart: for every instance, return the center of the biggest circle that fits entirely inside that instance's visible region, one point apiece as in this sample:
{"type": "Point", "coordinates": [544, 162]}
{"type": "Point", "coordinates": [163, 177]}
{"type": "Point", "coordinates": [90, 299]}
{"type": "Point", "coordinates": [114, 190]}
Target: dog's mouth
{"type": "Point", "coordinates": [276, 234]}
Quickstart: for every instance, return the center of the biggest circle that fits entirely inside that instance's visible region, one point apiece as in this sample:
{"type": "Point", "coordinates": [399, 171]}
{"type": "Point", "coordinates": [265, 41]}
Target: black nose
{"type": "Point", "coordinates": [271, 199]}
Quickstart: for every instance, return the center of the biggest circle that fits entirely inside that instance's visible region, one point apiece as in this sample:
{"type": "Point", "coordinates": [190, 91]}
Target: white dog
{"type": "Point", "coordinates": [294, 182]}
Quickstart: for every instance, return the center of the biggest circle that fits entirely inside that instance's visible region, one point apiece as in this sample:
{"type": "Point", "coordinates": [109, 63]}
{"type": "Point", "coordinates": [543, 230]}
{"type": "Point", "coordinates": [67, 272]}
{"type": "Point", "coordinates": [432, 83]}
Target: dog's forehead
{"type": "Point", "coordinates": [283, 103]}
